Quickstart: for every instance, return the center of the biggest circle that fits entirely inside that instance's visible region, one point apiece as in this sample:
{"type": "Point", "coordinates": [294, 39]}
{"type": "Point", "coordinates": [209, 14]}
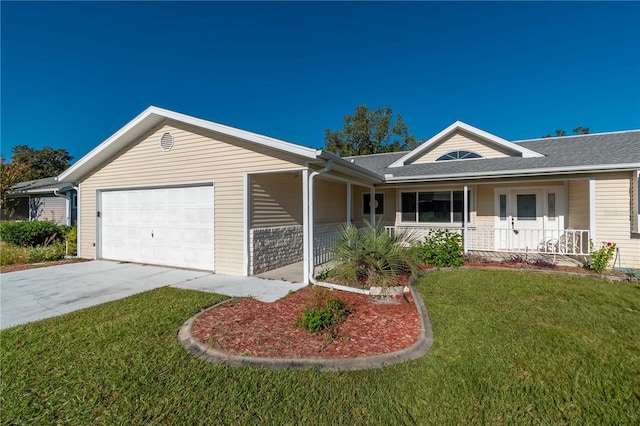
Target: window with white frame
{"type": "Point", "coordinates": [434, 206]}
{"type": "Point", "coordinates": [458, 155]}
{"type": "Point", "coordinates": [378, 204]}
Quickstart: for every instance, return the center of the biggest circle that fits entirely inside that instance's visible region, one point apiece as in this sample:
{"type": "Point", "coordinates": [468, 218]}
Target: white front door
{"type": "Point", "coordinates": [160, 226]}
{"type": "Point", "coordinates": [527, 217]}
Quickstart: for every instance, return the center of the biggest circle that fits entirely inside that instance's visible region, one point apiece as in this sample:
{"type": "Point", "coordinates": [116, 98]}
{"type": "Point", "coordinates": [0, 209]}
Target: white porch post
{"type": "Point", "coordinates": [349, 203]}
{"type": "Point", "coordinates": [305, 225]}
{"type": "Point", "coordinates": [246, 232]}
{"type": "Point", "coordinates": [592, 209]}
{"type": "Point", "coordinates": [372, 206]}
{"type": "Point", "coordinates": [465, 209]}
{"type": "Point", "coordinates": [565, 223]}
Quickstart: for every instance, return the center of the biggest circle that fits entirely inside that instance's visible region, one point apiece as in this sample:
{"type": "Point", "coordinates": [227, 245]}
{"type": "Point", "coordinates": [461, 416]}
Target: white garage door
{"type": "Point", "coordinates": [164, 226]}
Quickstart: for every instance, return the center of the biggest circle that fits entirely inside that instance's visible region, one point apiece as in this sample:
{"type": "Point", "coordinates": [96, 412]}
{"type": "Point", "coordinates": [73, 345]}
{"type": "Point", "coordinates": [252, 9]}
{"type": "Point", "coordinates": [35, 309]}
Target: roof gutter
{"type": "Point", "coordinates": [515, 173]}
{"type": "Point", "coordinates": [352, 167]}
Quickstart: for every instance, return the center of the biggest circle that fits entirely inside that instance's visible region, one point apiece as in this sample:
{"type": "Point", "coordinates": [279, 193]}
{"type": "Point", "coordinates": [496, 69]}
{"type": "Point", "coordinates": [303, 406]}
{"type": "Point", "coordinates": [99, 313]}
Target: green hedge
{"type": "Point", "coordinates": [32, 234]}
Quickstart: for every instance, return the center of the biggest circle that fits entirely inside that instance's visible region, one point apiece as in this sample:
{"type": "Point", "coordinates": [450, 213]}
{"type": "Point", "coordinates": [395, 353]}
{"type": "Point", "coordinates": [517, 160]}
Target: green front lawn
{"type": "Point", "coordinates": [509, 347]}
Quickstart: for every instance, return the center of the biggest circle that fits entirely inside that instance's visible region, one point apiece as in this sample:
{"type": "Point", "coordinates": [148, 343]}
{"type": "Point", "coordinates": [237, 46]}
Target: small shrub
{"type": "Point", "coordinates": [17, 255]}
{"type": "Point", "coordinates": [543, 263]}
{"type": "Point", "coordinates": [32, 234]}
{"type": "Point", "coordinates": [327, 273]}
{"type": "Point", "coordinates": [371, 256]}
{"type": "Point", "coordinates": [516, 259]}
{"type": "Point", "coordinates": [323, 311]}
{"type": "Point", "coordinates": [442, 248]}
{"type": "Point", "coordinates": [600, 258]}
{"type": "Point", "coordinates": [12, 255]}
{"type": "Point", "coordinates": [72, 241]}
{"type": "Point", "coordinates": [47, 253]}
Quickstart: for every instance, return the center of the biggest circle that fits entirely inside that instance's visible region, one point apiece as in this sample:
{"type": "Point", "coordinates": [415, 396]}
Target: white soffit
{"type": "Point", "coordinates": [459, 125]}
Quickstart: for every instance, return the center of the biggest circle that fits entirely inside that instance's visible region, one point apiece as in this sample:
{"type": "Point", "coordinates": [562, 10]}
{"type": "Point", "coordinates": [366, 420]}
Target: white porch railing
{"type": "Point", "coordinates": [322, 245]}
{"type": "Point", "coordinates": [482, 238]}
{"type": "Point", "coordinates": [489, 238]}
{"type": "Point", "coordinates": [567, 241]}
{"type": "Point", "coordinates": [325, 236]}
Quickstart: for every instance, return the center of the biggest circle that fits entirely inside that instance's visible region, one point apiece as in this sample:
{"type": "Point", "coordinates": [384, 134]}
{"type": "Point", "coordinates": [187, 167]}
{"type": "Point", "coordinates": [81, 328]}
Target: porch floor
{"type": "Point", "coordinates": [293, 273]}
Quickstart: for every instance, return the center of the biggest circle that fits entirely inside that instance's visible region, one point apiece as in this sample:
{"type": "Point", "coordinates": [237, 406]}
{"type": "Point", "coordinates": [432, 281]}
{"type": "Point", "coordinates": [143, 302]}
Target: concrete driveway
{"type": "Point", "coordinates": [39, 293]}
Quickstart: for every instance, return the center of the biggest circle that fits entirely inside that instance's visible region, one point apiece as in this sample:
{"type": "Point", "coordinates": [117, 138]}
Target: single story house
{"type": "Point", "coordinates": [172, 189]}
{"type": "Point", "coordinates": [42, 199]}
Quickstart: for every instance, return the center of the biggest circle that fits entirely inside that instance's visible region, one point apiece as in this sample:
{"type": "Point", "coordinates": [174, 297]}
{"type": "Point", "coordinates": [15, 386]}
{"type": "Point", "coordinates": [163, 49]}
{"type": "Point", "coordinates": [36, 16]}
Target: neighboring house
{"type": "Point", "coordinates": [175, 190]}
{"type": "Point", "coordinates": [43, 199]}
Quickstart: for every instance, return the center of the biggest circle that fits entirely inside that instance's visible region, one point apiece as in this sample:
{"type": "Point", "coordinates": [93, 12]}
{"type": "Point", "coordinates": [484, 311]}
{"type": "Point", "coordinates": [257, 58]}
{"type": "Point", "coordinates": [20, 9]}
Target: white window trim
{"type": "Point", "coordinates": [437, 159]}
{"type": "Point", "coordinates": [450, 224]}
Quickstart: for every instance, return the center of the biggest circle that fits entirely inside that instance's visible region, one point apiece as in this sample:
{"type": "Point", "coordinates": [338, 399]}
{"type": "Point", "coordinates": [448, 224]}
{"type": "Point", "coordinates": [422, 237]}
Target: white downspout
{"type": "Point", "coordinates": [592, 211]}
{"type": "Point", "coordinates": [311, 258]}
{"type": "Point", "coordinates": [67, 206]}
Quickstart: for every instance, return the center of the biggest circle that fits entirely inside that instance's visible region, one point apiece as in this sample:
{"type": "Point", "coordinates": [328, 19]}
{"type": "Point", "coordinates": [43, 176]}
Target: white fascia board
{"type": "Point", "coordinates": [110, 145]}
{"type": "Point", "coordinates": [153, 116]}
{"type": "Point", "coordinates": [238, 133]}
{"type": "Point", "coordinates": [515, 173]}
{"type": "Point", "coordinates": [459, 125]}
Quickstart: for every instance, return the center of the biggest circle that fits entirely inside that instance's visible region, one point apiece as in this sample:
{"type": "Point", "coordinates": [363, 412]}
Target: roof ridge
{"type": "Point", "coordinates": [576, 136]}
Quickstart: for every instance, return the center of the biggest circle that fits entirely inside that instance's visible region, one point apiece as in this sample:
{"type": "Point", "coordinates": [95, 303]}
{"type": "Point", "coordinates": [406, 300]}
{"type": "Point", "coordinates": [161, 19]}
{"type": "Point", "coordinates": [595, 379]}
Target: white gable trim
{"type": "Point", "coordinates": [153, 116]}
{"type": "Point", "coordinates": [459, 125]}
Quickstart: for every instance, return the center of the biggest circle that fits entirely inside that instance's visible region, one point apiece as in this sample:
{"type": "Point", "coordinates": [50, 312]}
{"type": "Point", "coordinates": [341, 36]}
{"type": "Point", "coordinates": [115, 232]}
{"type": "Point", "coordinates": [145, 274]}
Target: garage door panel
{"type": "Point", "coordinates": [164, 226]}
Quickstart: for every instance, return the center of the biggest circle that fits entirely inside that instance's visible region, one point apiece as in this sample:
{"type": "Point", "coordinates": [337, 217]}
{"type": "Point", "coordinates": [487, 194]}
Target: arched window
{"type": "Point", "coordinates": [458, 155]}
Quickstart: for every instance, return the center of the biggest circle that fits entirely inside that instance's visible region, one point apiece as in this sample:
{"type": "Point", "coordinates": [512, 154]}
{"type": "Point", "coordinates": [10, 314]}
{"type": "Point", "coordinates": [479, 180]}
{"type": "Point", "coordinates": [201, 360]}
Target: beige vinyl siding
{"type": "Point", "coordinates": [197, 156]}
{"type": "Point", "coordinates": [613, 216]}
{"type": "Point", "coordinates": [330, 204]}
{"type": "Point", "coordinates": [463, 141]}
{"type": "Point", "coordinates": [49, 207]}
{"type": "Point", "coordinates": [53, 209]}
{"type": "Point", "coordinates": [485, 204]}
{"type": "Point", "coordinates": [276, 199]}
{"type": "Point", "coordinates": [578, 204]}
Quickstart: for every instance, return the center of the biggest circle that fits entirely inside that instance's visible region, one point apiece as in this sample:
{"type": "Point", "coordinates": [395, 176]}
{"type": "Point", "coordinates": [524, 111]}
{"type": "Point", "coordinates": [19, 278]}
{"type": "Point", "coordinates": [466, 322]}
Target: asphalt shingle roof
{"type": "Point", "coordinates": [568, 152]}
{"type": "Point", "coordinates": [45, 183]}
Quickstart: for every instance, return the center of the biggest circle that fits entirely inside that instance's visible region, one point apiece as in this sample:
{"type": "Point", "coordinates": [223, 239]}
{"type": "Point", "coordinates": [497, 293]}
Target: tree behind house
{"type": "Point", "coordinates": [41, 163]}
{"type": "Point", "coordinates": [370, 132]}
{"type": "Point", "coordinates": [577, 131]}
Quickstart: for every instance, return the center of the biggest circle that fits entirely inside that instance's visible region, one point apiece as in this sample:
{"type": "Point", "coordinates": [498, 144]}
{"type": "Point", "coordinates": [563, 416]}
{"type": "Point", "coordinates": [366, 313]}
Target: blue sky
{"type": "Point", "coordinates": [74, 73]}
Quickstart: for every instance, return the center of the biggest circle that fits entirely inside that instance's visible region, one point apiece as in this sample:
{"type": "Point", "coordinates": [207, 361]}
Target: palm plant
{"type": "Point", "coordinates": [371, 256]}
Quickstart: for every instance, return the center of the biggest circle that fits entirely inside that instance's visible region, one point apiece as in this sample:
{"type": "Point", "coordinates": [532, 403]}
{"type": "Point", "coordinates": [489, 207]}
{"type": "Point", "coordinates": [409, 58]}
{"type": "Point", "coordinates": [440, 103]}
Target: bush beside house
{"type": "Point", "coordinates": [35, 241]}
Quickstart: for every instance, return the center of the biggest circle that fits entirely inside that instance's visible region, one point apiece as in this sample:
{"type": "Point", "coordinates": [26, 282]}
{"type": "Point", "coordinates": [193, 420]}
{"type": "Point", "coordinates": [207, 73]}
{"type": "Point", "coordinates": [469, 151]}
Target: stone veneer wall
{"type": "Point", "coordinates": [275, 247]}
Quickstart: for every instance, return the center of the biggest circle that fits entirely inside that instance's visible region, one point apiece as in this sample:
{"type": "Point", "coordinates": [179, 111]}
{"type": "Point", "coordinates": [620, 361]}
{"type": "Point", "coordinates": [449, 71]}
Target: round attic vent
{"type": "Point", "coordinates": [166, 141]}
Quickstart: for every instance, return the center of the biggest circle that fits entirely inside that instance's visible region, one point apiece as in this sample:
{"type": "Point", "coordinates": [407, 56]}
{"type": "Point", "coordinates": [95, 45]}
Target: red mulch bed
{"type": "Point", "coordinates": [252, 328]}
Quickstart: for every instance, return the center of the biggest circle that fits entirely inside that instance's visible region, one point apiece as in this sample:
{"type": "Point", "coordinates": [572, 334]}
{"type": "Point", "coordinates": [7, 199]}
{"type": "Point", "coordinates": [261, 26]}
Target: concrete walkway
{"type": "Point", "coordinates": [39, 293]}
